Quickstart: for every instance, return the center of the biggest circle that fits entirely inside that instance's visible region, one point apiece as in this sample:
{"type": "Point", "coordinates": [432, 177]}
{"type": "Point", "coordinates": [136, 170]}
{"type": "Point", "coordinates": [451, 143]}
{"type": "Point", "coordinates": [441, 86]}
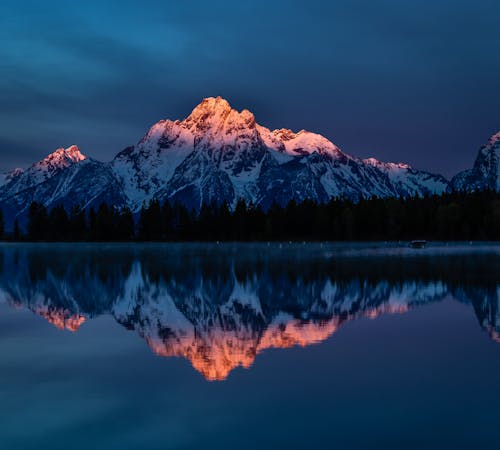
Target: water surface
{"type": "Point", "coordinates": [249, 346]}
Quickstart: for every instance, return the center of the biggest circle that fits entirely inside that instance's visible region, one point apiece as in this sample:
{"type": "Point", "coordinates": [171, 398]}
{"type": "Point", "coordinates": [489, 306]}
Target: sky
{"type": "Point", "coordinates": [415, 81]}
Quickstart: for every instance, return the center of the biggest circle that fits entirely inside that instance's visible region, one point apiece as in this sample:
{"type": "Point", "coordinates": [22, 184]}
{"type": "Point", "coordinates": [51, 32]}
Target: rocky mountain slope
{"type": "Point", "coordinates": [485, 174]}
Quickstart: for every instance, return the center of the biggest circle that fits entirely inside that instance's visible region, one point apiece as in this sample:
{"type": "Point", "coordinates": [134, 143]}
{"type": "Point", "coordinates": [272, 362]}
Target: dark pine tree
{"type": "Point", "coordinates": [104, 223]}
{"type": "Point", "coordinates": [37, 222]}
{"type": "Point", "coordinates": [58, 224]}
{"type": "Point", "coordinates": [17, 231]}
{"type": "Point", "coordinates": [125, 225]}
{"type": "Point", "coordinates": [2, 227]}
{"type": "Point", "coordinates": [78, 224]}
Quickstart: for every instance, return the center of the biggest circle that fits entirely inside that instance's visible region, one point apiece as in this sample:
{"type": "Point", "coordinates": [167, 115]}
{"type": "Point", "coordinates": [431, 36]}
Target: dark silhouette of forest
{"type": "Point", "coordinates": [453, 216]}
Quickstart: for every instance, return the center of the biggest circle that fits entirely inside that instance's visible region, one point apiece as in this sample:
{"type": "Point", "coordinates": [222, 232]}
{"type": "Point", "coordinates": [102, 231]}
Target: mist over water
{"type": "Point", "coordinates": [249, 345]}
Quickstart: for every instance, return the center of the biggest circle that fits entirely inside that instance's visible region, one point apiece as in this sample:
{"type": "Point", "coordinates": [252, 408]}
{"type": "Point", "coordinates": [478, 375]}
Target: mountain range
{"type": "Point", "coordinates": [221, 309]}
{"type": "Point", "coordinates": [218, 154]}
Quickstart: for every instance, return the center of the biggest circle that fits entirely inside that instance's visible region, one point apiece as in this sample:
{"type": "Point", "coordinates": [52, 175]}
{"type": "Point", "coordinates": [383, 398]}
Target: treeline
{"type": "Point", "coordinates": [455, 216]}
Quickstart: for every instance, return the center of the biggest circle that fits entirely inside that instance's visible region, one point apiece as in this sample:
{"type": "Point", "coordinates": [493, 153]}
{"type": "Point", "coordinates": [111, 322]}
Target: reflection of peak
{"type": "Point", "coordinates": [287, 332]}
{"type": "Point", "coordinates": [486, 303]}
{"type": "Point", "coordinates": [219, 334]}
{"type": "Point", "coordinates": [62, 319]}
{"type": "Point", "coordinates": [220, 351]}
{"type": "Point", "coordinates": [226, 342]}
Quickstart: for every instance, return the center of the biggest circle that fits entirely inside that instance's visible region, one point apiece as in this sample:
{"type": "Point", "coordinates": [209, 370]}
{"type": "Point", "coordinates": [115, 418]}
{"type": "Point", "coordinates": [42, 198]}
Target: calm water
{"type": "Point", "coordinates": [249, 346]}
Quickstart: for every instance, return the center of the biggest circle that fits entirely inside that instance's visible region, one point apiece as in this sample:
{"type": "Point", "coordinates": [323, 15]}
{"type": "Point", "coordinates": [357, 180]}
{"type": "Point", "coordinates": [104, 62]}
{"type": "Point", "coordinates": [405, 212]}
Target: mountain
{"type": "Point", "coordinates": [219, 154]}
{"type": "Point", "coordinates": [65, 177]}
{"type": "Point", "coordinates": [485, 174]}
{"type": "Point", "coordinates": [216, 154]}
{"type": "Point", "coordinates": [19, 180]}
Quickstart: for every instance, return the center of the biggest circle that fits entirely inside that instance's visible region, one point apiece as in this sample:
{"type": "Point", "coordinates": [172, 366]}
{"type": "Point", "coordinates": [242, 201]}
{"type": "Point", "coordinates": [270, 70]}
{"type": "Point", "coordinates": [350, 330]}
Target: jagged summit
{"type": "Point", "coordinates": [63, 156]}
{"type": "Point", "coordinates": [485, 174]}
{"type": "Point", "coordinates": [215, 118]}
{"type": "Point", "coordinates": [210, 106]}
{"type": "Point", "coordinates": [52, 164]}
{"type": "Point", "coordinates": [493, 140]}
{"type": "Point", "coordinates": [19, 180]}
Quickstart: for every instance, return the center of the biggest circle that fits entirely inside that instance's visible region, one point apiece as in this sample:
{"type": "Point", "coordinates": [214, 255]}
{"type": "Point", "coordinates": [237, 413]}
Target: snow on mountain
{"type": "Point", "coordinates": [226, 157]}
{"type": "Point", "coordinates": [143, 169]}
{"type": "Point", "coordinates": [219, 154]}
{"type": "Point", "coordinates": [19, 180]}
{"type": "Point", "coordinates": [485, 174]}
{"type": "Point", "coordinates": [65, 177]}
{"type": "Point", "coordinates": [408, 181]}
{"type": "Point", "coordinates": [216, 154]}
{"type": "Point", "coordinates": [7, 177]}
{"type": "Point", "coordinates": [305, 143]}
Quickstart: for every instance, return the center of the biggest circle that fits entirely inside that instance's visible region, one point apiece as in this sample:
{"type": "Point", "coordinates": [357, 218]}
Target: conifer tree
{"type": "Point", "coordinates": [37, 222]}
{"type": "Point", "coordinates": [17, 232]}
{"type": "Point", "coordinates": [2, 227]}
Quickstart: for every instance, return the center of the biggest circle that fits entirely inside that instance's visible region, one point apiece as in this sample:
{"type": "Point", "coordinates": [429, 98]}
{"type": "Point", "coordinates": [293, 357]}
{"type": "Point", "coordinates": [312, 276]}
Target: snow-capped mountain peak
{"type": "Point", "coordinates": [52, 164]}
{"type": "Point", "coordinates": [214, 108]}
{"type": "Point", "coordinates": [41, 171]}
{"type": "Point", "coordinates": [61, 157]}
{"type": "Point", "coordinates": [215, 119]}
{"type": "Point", "coordinates": [485, 174]}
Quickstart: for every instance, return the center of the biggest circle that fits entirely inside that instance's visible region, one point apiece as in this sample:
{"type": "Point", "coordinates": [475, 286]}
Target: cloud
{"type": "Point", "coordinates": [414, 82]}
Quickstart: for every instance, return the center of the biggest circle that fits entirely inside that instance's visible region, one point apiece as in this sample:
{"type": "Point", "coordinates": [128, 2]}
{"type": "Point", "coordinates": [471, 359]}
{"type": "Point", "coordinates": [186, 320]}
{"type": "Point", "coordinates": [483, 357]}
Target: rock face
{"type": "Point", "coordinates": [216, 154]}
{"type": "Point", "coordinates": [485, 174]}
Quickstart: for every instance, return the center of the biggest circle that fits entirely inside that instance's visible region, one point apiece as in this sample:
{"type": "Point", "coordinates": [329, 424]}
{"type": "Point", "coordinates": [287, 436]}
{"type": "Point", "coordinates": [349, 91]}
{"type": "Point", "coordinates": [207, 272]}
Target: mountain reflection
{"type": "Point", "coordinates": [220, 307]}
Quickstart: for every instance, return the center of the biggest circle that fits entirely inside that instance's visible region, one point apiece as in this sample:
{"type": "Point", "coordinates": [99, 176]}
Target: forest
{"type": "Point", "coordinates": [452, 216]}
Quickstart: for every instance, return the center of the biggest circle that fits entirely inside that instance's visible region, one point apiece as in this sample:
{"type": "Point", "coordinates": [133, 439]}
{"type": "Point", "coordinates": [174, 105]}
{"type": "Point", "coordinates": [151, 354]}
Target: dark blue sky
{"type": "Point", "coordinates": [402, 81]}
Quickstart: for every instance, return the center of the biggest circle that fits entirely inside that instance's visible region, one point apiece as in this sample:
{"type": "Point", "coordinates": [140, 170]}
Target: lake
{"type": "Point", "coordinates": [249, 346]}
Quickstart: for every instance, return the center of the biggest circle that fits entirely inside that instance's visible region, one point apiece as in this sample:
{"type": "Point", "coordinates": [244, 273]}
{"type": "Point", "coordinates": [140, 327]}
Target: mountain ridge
{"type": "Point", "coordinates": [216, 154]}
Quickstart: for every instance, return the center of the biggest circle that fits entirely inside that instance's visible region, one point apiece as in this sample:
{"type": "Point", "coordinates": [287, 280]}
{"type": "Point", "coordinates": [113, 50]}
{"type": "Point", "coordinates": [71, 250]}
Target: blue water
{"type": "Point", "coordinates": [249, 346]}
